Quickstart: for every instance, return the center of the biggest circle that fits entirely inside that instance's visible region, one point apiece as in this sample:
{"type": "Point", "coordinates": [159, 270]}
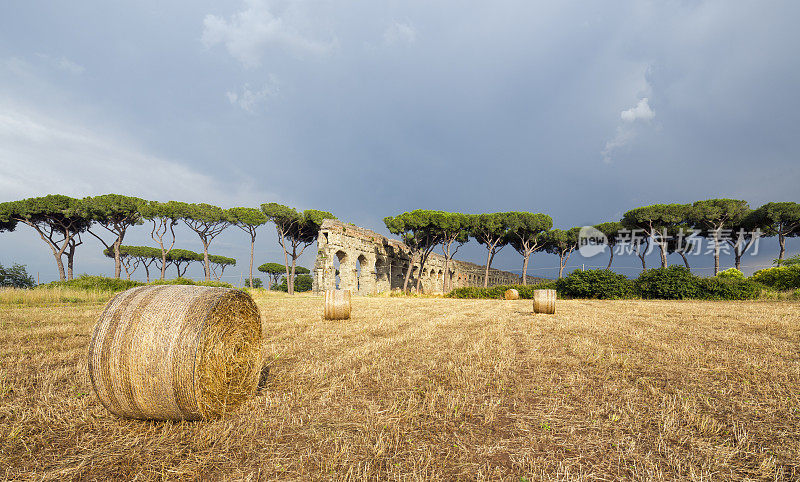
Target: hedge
{"type": "Point", "coordinates": [595, 283]}
{"type": "Point", "coordinates": [781, 278]}
{"type": "Point", "coordinates": [729, 289]}
{"type": "Point", "coordinates": [88, 282]}
{"type": "Point", "coordinates": [671, 283]}
{"type": "Point", "coordinates": [497, 292]}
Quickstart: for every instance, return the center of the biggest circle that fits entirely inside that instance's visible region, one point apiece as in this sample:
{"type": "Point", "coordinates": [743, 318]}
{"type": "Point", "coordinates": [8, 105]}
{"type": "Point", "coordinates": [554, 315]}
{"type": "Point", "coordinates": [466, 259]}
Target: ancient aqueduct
{"type": "Point", "coordinates": [370, 263]}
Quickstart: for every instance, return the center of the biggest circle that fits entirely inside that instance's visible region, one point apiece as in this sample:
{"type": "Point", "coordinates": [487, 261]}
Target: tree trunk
{"type": "Point", "coordinates": [611, 258]}
{"type": "Point", "coordinates": [252, 248]}
{"type": "Point", "coordinates": [446, 265]}
{"type": "Point", "coordinates": [641, 255]}
{"type": "Point", "coordinates": [147, 271]}
{"type": "Point", "coordinates": [290, 281]}
{"type": "Point", "coordinates": [525, 269]}
{"type": "Point", "coordinates": [286, 260]}
{"type": "Point", "coordinates": [561, 265]}
{"type": "Point", "coordinates": [663, 252]}
{"type": "Point", "coordinates": [486, 273]}
{"type": "Point", "coordinates": [407, 278]}
{"type": "Point", "coordinates": [70, 261]}
{"type": "Point", "coordinates": [117, 261]}
{"type": "Point", "coordinates": [60, 263]}
{"type": "Point", "coordinates": [163, 263]}
{"type": "Point", "coordinates": [716, 252]}
{"type": "Point", "coordinates": [685, 261]}
{"type": "Point", "coordinates": [446, 273]}
{"type": "Point", "coordinates": [408, 272]}
{"type": "Point", "coordinates": [206, 264]}
{"type": "Point", "coordinates": [782, 244]}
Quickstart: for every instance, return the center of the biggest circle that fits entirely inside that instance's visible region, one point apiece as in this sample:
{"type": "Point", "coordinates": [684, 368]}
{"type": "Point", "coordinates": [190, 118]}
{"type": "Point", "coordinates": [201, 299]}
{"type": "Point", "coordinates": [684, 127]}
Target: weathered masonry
{"type": "Point", "coordinates": [369, 263]}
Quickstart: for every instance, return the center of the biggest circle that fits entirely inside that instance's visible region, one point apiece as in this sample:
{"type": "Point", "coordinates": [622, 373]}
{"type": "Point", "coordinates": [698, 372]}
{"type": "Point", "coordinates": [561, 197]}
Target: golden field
{"type": "Point", "coordinates": [434, 389]}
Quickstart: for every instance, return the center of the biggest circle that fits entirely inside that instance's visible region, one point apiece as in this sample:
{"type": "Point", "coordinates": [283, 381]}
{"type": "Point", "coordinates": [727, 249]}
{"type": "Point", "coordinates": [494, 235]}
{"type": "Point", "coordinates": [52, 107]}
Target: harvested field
{"type": "Point", "coordinates": [422, 388]}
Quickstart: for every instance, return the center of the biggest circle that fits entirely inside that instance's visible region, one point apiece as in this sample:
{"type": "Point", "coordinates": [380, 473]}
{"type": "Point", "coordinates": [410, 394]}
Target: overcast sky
{"type": "Point", "coordinates": [581, 110]}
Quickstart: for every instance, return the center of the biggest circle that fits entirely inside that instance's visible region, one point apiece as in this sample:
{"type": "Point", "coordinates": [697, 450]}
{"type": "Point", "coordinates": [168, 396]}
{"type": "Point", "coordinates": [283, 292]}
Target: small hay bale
{"type": "Point", "coordinates": [511, 294]}
{"type": "Point", "coordinates": [176, 352]}
{"type": "Point", "coordinates": [337, 304]}
{"type": "Point", "coordinates": [544, 301]}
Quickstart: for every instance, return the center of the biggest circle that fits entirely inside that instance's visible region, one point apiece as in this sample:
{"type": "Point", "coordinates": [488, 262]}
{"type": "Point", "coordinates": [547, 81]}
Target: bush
{"type": "Point", "coordinates": [174, 281]}
{"type": "Point", "coordinates": [595, 283]}
{"type": "Point", "coordinates": [731, 273]}
{"type": "Point", "coordinates": [497, 292]}
{"type": "Point", "coordinates": [215, 284]}
{"type": "Point", "coordinates": [15, 277]}
{"type": "Point", "coordinates": [257, 283]}
{"type": "Point", "coordinates": [89, 282]}
{"type": "Point", "coordinates": [721, 288]}
{"type": "Point", "coordinates": [672, 283]}
{"type": "Point", "coordinates": [302, 282]}
{"type": "Point", "coordinates": [790, 261]}
{"type": "Point", "coordinates": [781, 278]}
{"type": "Point", "coordinates": [189, 281]}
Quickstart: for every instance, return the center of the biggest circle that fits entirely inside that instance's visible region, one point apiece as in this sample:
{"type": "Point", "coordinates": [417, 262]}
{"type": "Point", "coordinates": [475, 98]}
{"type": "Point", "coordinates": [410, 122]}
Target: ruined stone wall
{"type": "Point", "coordinates": [370, 263]}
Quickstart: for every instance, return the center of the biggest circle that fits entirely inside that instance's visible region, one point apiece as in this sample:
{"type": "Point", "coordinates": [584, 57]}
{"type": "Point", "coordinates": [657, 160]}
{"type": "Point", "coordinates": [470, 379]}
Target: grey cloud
{"type": "Point", "coordinates": [250, 31]}
{"type": "Point", "coordinates": [498, 106]}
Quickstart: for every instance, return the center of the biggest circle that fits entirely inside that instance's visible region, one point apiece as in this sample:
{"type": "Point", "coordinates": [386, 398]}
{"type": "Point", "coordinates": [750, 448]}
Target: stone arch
{"type": "Point", "coordinates": [365, 274]}
{"type": "Point", "coordinates": [339, 258]}
{"type": "Point", "coordinates": [348, 279]}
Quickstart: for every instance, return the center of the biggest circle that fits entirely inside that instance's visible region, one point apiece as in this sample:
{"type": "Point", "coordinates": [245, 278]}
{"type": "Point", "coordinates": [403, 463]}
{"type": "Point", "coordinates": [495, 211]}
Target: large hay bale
{"type": "Point", "coordinates": [511, 294]}
{"type": "Point", "coordinates": [176, 352]}
{"type": "Point", "coordinates": [337, 304]}
{"type": "Point", "coordinates": [544, 301]}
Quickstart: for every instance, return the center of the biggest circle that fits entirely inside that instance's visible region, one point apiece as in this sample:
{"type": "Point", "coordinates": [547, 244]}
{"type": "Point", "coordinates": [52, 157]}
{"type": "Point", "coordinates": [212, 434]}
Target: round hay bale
{"type": "Point", "coordinates": [176, 352]}
{"type": "Point", "coordinates": [544, 301]}
{"type": "Point", "coordinates": [511, 294]}
{"type": "Point", "coordinates": [337, 304]}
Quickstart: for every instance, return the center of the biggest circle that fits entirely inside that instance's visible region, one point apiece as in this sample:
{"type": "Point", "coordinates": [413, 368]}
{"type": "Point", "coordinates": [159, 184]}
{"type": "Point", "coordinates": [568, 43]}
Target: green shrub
{"type": "Point", "coordinates": [89, 282]}
{"type": "Point", "coordinates": [174, 281]}
{"type": "Point", "coordinates": [671, 283]}
{"type": "Point", "coordinates": [189, 281]}
{"type": "Point", "coordinates": [498, 292]}
{"type": "Point", "coordinates": [302, 282]}
{"type": "Point", "coordinates": [728, 289]}
{"type": "Point", "coordinates": [15, 277]}
{"type": "Point", "coordinates": [215, 284]}
{"type": "Point", "coordinates": [595, 283]}
{"type": "Point", "coordinates": [731, 273]}
{"type": "Point", "coordinates": [790, 261]}
{"type": "Point", "coordinates": [781, 278]}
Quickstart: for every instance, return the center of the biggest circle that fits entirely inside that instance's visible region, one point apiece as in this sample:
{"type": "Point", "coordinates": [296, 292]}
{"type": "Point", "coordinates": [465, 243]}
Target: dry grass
{"type": "Point", "coordinates": [421, 389]}
{"type": "Point", "coordinates": [52, 296]}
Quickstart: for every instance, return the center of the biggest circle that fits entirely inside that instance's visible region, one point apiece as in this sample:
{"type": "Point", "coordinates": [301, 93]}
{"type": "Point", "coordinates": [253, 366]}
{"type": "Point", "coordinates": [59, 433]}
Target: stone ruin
{"type": "Point", "coordinates": [370, 263]}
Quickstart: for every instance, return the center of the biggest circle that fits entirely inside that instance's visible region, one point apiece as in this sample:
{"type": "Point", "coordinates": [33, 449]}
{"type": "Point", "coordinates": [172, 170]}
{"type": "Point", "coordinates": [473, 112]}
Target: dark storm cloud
{"type": "Point", "coordinates": [580, 110]}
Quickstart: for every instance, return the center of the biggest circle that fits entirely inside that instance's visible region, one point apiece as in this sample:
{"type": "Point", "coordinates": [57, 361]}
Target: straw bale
{"type": "Point", "coordinates": [544, 301]}
{"type": "Point", "coordinates": [337, 304]}
{"type": "Point", "coordinates": [176, 352]}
